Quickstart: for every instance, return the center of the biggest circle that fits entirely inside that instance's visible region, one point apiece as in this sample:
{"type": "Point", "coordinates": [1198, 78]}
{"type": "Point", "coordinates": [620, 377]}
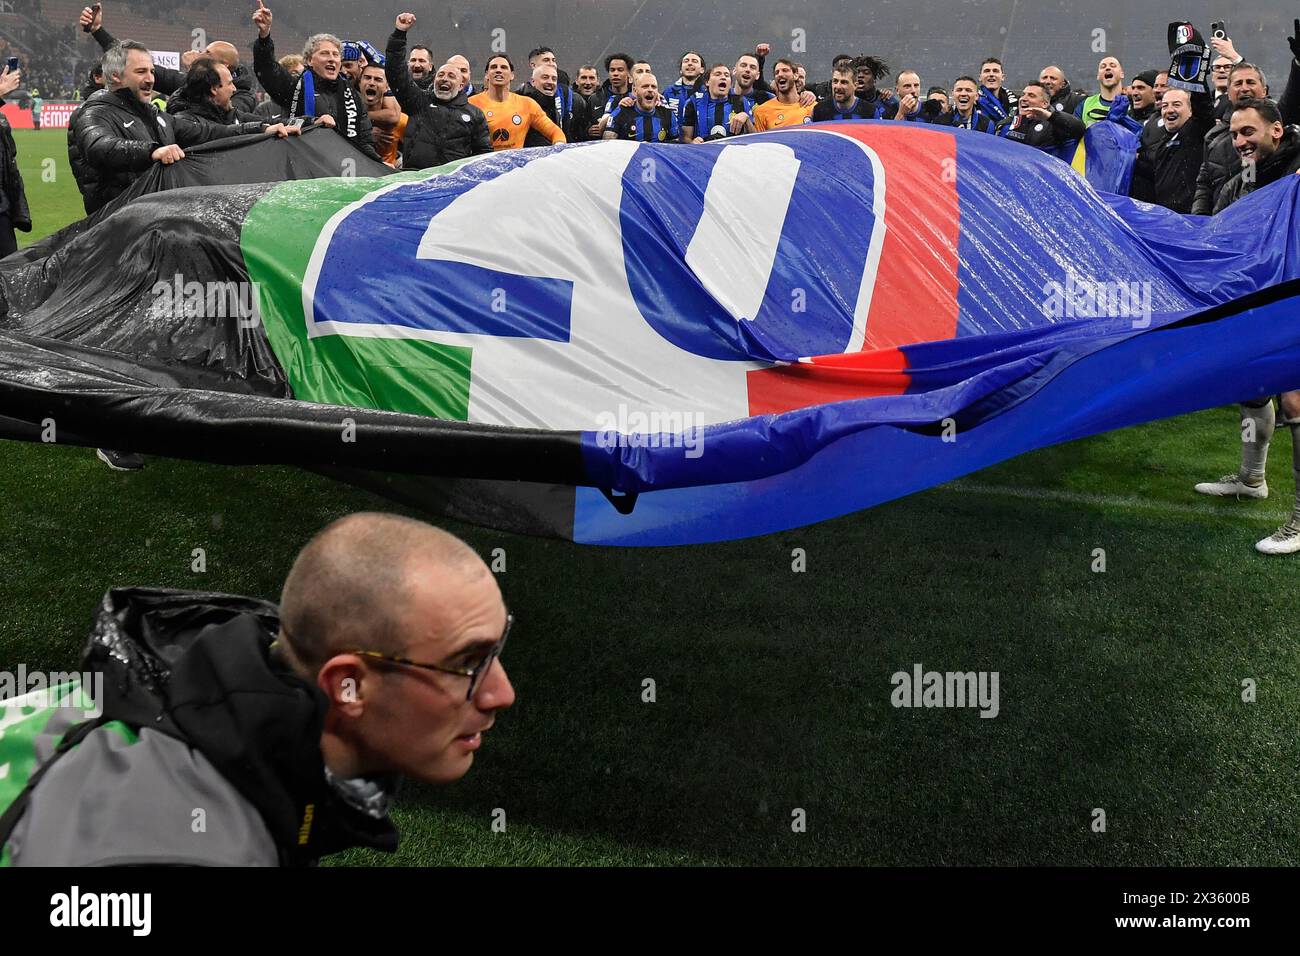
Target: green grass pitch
{"type": "Point", "coordinates": [1120, 690]}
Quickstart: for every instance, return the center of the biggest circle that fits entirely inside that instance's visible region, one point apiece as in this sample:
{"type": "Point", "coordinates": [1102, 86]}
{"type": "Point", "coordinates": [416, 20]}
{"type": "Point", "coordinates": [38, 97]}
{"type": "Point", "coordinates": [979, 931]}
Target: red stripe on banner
{"type": "Point", "coordinates": [915, 298]}
{"type": "Point", "coordinates": [831, 378]}
{"type": "Point", "coordinates": [915, 293]}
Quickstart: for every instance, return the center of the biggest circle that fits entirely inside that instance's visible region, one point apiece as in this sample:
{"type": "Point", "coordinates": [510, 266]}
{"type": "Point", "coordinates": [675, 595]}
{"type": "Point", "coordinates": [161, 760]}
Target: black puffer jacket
{"type": "Point", "coordinates": [248, 122]}
{"type": "Point", "coordinates": [1285, 161]}
{"type": "Point", "coordinates": [112, 137]}
{"type": "Point", "coordinates": [90, 88]}
{"type": "Point", "coordinates": [13, 197]}
{"type": "Point", "coordinates": [1168, 163]}
{"type": "Point", "coordinates": [1058, 129]}
{"type": "Point", "coordinates": [332, 97]}
{"type": "Point", "coordinates": [243, 99]}
{"type": "Point", "coordinates": [437, 131]}
{"type": "Point", "coordinates": [574, 125]}
{"type": "Point", "coordinates": [1221, 161]}
{"type": "Point", "coordinates": [165, 80]}
{"type": "Point", "coordinates": [168, 81]}
{"type": "Point", "coordinates": [1067, 99]}
{"type": "Point", "coordinates": [1220, 164]}
{"type": "Point", "coordinates": [269, 110]}
{"type": "Point", "coordinates": [208, 714]}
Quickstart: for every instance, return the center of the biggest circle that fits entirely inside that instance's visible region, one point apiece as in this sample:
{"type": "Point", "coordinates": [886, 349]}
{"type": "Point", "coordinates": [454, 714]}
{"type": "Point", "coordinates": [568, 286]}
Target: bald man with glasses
{"type": "Point", "coordinates": [289, 727]}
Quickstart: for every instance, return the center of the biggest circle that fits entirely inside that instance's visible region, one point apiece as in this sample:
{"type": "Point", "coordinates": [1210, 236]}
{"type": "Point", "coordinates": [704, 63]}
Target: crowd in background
{"type": "Point", "coordinates": [397, 105]}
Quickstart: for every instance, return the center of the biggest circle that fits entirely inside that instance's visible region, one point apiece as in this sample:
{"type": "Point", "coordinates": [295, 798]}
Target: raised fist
{"type": "Point", "coordinates": [763, 49]}
{"type": "Point", "coordinates": [405, 21]}
{"type": "Point", "coordinates": [91, 19]}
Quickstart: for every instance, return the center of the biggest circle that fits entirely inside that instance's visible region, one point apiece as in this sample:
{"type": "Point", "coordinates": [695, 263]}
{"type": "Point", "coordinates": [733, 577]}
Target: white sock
{"type": "Point", "coordinates": [1294, 424]}
{"type": "Point", "coordinates": [1254, 454]}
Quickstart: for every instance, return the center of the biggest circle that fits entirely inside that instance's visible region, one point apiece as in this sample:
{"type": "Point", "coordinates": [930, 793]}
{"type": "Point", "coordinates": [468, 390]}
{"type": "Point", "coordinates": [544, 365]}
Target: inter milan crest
{"type": "Point", "coordinates": [1189, 58]}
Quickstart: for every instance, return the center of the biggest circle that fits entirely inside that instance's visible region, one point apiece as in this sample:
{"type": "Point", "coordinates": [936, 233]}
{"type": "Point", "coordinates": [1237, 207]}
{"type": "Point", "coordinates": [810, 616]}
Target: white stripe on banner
{"type": "Point", "coordinates": [745, 205]}
{"type": "Point", "coordinates": [558, 216]}
{"type": "Point", "coordinates": [867, 288]}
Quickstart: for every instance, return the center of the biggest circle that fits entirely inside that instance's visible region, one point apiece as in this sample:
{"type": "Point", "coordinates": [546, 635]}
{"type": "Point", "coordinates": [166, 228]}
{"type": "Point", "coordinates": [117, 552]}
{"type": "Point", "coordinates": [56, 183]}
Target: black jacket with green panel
{"type": "Point", "coordinates": [202, 749]}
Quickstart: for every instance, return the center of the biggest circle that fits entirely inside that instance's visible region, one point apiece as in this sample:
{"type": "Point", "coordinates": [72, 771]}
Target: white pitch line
{"type": "Point", "coordinates": [1243, 511]}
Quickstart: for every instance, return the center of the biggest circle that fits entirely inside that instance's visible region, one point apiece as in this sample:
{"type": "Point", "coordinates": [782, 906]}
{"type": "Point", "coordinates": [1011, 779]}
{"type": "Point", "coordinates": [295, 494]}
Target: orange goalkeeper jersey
{"type": "Point", "coordinates": [774, 115]}
{"type": "Point", "coordinates": [510, 120]}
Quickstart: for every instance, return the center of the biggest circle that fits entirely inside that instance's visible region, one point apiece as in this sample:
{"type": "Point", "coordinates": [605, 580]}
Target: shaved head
{"type": "Point", "coordinates": [354, 584]}
{"type": "Point", "coordinates": [224, 53]}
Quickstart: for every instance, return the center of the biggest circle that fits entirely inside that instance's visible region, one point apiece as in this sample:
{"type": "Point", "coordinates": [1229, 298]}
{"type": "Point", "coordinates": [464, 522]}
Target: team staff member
{"type": "Point", "coordinates": [441, 124]}
{"type": "Point", "coordinates": [1221, 160]}
{"type": "Point", "coordinates": [321, 91]}
{"type": "Point", "coordinates": [1268, 149]}
{"type": "Point", "coordinates": [587, 81]}
{"type": "Point", "coordinates": [564, 107]}
{"type": "Point", "coordinates": [420, 65]}
{"type": "Point", "coordinates": [716, 112]}
{"type": "Point", "coordinates": [1064, 96]}
{"type": "Point", "coordinates": [462, 65]}
{"type": "Point", "coordinates": [119, 133]}
{"type": "Point", "coordinates": [511, 115]}
{"type": "Point", "coordinates": [1167, 166]}
{"type": "Point", "coordinates": [785, 109]}
{"type": "Point", "coordinates": [1143, 103]}
{"type": "Point", "coordinates": [207, 93]}
{"type": "Point", "coordinates": [647, 121]}
{"type": "Point", "coordinates": [1037, 124]}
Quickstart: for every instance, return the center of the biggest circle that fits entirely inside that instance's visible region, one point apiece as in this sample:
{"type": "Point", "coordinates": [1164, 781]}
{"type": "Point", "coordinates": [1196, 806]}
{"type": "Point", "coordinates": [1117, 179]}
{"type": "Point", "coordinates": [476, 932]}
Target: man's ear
{"type": "Point", "coordinates": [341, 679]}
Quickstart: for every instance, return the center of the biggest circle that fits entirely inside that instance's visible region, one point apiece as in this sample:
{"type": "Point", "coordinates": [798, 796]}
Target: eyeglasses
{"type": "Point", "coordinates": [475, 673]}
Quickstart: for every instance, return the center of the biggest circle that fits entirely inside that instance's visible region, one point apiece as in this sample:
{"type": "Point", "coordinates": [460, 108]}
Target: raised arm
{"type": "Point", "coordinates": [165, 80]}
{"type": "Point", "coordinates": [278, 82]}
{"type": "Point", "coordinates": [411, 98]}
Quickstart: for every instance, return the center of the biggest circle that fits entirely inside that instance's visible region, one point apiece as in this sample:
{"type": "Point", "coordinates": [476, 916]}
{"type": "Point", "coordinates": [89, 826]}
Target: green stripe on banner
{"type": "Point", "coordinates": [277, 239]}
